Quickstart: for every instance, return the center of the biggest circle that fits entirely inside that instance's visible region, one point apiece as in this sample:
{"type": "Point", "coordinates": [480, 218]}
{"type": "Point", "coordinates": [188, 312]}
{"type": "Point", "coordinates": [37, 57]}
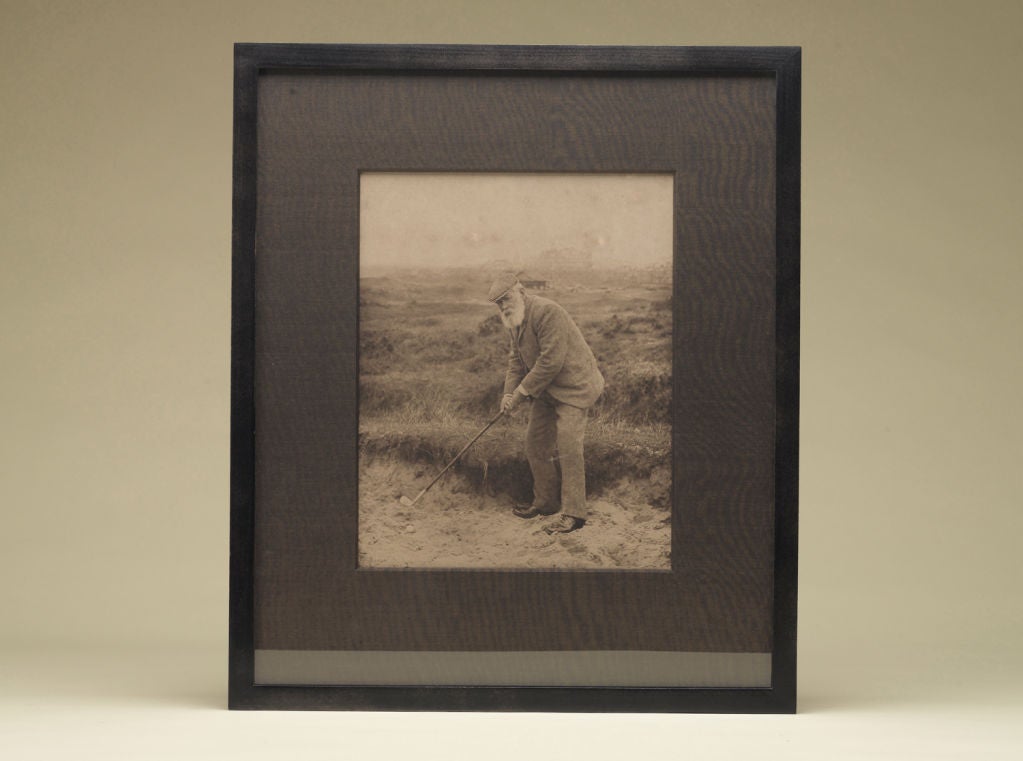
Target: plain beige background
{"type": "Point", "coordinates": [115, 186]}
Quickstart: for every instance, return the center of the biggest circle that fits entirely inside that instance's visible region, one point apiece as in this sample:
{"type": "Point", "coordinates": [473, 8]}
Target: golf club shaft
{"type": "Point", "coordinates": [459, 455]}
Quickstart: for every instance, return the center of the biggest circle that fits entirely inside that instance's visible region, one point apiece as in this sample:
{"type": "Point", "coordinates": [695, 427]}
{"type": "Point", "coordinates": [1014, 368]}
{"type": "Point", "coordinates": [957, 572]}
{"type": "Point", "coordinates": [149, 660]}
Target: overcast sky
{"type": "Point", "coordinates": [448, 219]}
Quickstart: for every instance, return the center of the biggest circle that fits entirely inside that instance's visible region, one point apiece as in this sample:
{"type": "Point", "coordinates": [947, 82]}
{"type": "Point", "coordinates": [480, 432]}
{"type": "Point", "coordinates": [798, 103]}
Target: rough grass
{"type": "Point", "coordinates": [432, 361]}
{"type": "Point", "coordinates": [497, 462]}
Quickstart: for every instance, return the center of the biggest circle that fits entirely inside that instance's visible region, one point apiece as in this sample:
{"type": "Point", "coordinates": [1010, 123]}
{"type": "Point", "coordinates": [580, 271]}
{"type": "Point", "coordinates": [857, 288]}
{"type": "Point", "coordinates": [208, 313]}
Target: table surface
{"type": "Point", "coordinates": [169, 702]}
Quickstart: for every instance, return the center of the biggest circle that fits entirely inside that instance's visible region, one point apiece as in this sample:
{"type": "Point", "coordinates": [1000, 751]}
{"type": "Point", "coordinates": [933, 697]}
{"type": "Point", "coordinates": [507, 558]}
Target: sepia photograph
{"type": "Point", "coordinates": [515, 362]}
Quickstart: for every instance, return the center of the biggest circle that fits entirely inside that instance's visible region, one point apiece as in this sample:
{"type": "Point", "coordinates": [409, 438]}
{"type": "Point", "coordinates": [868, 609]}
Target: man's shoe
{"type": "Point", "coordinates": [564, 525]}
{"type": "Point", "coordinates": [529, 511]}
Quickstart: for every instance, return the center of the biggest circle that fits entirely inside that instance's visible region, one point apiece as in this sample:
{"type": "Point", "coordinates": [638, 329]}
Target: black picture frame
{"type": "Point", "coordinates": [467, 67]}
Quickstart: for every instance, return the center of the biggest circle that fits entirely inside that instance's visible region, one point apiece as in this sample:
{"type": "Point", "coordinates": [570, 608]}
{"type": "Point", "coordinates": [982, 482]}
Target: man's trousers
{"type": "Point", "coordinates": [554, 448]}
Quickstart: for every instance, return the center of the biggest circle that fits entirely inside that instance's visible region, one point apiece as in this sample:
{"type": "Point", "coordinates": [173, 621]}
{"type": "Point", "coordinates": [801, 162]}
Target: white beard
{"type": "Point", "coordinates": [517, 316]}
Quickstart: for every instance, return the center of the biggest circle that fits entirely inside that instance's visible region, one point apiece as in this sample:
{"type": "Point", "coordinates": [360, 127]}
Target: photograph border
{"type": "Point", "coordinates": [781, 63]}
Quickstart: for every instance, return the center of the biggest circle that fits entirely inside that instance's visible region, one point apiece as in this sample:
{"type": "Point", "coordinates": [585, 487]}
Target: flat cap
{"type": "Point", "coordinates": [501, 286]}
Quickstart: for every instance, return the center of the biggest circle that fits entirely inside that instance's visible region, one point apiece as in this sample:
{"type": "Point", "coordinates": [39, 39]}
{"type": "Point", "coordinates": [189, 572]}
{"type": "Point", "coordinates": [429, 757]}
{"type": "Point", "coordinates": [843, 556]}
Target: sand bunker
{"type": "Point", "coordinates": [459, 525]}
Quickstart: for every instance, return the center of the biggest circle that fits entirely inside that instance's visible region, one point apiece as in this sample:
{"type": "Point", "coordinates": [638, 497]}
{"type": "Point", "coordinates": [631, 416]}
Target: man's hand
{"type": "Point", "coordinates": [510, 401]}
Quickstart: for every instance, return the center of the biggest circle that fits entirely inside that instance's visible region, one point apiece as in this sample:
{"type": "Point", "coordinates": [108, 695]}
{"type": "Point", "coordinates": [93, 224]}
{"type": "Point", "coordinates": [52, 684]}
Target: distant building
{"type": "Point", "coordinates": [533, 283]}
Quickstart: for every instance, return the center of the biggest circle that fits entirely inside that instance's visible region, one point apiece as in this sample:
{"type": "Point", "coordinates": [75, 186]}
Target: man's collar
{"type": "Point", "coordinates": [527, 301]}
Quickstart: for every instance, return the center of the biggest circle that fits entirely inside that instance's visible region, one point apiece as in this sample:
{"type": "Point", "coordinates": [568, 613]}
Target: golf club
{"type": "Point", "coordinates": [411, 502]}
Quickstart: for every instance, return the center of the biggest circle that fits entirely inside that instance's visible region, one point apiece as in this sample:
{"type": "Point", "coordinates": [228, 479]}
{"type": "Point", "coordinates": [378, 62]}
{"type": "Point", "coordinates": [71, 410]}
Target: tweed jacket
{"type": "Point", "coordinates": [548, 353]}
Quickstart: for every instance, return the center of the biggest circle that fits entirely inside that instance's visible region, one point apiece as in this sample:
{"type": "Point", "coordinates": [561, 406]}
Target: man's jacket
{"type": "Point", "coordinates": [548, 353]}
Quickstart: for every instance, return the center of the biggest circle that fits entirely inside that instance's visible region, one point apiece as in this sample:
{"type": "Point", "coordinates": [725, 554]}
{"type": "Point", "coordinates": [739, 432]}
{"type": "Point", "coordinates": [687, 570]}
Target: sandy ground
{"type": "Point", "coordinates": [455, 525]}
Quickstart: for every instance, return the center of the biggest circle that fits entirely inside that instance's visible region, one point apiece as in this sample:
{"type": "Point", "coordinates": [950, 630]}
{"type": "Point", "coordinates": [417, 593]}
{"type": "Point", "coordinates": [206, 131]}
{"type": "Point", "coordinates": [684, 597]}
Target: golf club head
{"type": "Point", "coordinates": [405, 501]}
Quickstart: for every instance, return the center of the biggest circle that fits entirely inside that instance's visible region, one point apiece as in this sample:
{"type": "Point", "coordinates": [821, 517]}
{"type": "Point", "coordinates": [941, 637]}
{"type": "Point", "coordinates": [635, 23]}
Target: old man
{"type": "Point", "coordinates": [551, 365]}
